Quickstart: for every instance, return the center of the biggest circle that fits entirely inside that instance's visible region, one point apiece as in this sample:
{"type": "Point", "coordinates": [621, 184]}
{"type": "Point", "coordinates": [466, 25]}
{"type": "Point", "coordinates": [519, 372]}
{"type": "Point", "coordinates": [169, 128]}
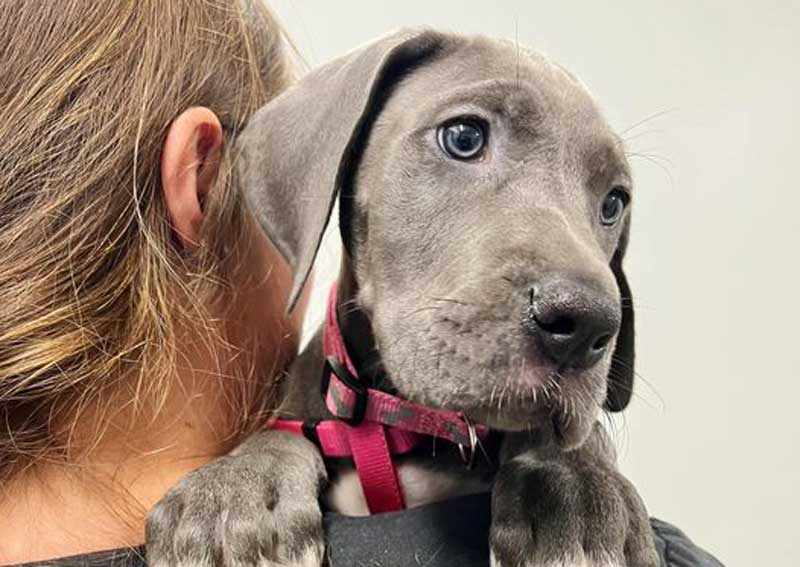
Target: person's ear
{"type": "Point", "coordinates": [189, 167]}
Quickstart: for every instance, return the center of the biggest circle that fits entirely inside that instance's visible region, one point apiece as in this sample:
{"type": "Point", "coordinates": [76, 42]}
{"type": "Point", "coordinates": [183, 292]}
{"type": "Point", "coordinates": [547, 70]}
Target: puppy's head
{"type": "Point", "coordinates": [485, 207]}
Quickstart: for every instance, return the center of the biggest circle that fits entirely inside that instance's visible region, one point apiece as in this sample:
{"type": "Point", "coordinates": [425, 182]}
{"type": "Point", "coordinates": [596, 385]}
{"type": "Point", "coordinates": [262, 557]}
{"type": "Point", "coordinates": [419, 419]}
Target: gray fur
{"type": "Point", "coordinates": [439, 263]}
{"type": "Point", "coordinates": [238, 512]}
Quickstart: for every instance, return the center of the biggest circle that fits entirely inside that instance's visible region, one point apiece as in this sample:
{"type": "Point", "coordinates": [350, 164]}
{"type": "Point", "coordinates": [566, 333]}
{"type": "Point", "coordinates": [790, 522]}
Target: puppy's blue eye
{"type": "Point", "coordinates": [613, 206]}
{"type": "Point", "coordinates": [462, 139]}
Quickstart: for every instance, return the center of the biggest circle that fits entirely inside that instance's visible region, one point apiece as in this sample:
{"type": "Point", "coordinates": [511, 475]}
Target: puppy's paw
{"type": "Point", "coordinates": [581, 561]}
{"type": "Point", "coordinates": [568, 514]}
{"type": "Point", "coordinates": [574, 562]}
{"type": "Point", "coordinates": [256, 507]}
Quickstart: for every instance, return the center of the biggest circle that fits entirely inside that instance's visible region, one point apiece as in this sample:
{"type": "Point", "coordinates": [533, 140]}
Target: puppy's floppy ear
{"type": "Point", "coordinates": [297, 151]}
{"type": "Point", "coordinates": [621, 374]}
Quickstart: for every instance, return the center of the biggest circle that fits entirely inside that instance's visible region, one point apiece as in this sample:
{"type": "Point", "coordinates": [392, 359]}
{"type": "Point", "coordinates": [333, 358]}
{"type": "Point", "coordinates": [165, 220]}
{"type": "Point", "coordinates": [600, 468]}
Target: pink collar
{"type": "Point", "coordinates": [371, 425]}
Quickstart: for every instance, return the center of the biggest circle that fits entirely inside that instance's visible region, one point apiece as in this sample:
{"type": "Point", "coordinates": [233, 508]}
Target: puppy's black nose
{"type": "Point", "coordinates": [572, 320]}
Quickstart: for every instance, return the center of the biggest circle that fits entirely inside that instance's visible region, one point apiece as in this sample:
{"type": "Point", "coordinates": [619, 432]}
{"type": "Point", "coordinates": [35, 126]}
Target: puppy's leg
{"type": "Point", "coordinates": [568, 509]}
{"type": "Point", "coordinates": [256, 506]}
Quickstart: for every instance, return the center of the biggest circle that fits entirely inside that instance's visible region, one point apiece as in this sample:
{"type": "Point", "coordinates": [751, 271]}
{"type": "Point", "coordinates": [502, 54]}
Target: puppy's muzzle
{"type": "Point", "coordinates": [572, 321]}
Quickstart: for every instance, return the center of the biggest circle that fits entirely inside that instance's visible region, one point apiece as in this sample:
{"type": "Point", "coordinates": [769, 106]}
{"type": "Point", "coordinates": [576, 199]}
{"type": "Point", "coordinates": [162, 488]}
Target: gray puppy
{"type": "Point", "coordinates": [484, 214]}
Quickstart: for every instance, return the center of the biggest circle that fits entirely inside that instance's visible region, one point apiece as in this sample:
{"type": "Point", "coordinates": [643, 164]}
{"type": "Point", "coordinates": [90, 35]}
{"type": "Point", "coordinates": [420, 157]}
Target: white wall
{"type": "Point", "coordinates": [707, 89]}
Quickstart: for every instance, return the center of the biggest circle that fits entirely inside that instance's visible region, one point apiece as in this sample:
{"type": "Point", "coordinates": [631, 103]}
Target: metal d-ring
{"type": "Point", "coordinates": [468, 455]}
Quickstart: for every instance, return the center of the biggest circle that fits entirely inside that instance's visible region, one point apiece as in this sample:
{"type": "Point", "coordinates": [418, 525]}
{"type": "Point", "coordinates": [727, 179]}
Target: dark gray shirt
{"type": "Point", "coordinates": [445, 534]}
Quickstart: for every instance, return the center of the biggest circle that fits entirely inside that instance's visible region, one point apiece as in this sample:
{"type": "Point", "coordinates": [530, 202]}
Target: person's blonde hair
{"type": "Point", "coordinates": [93, 290]}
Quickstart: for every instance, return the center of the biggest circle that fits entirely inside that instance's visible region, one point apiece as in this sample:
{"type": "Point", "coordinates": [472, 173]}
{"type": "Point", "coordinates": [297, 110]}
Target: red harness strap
{"type": "Point", "coordinates": [371, 425]}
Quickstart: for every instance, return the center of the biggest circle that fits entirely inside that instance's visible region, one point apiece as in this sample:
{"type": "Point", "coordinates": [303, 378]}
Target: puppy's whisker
{"type": "Point", "coordinates": [352, 310]}
{"type": "Point", "coordinates": [627, 139]}
{"type": "Point", "coordinates": [503, 394]}
{"type": "Point", "coordinates": [654, 161]}
{"type": "Point", "coordinates": [396, 340]}
{"type": "Point", "coordinates": [616, 428]}
{"type": "Point", "coordinates": [565, 413]}
{"type": "Point", "coordinates": [634, 393]}
{"type": "Point", "coordinates": [485, 453]}
{"type": "Point", "coordinates": [451, 300]}
{"type": "Point", "coordinates": [546, 391]}
{"type": "Point", "coordinates": [351, 301]}
{"type": "Point", "coordinates": [647, 119]}
{"type": "Point", "coordinates": [639, 378]}
{"type": "Point", "coordinates": [422, 310]}
{"type": "Point", "coordinates": [655, 157]}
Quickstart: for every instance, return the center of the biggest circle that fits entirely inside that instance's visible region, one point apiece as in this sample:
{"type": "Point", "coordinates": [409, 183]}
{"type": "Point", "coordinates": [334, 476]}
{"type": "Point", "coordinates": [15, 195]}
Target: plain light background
{"type": "Point", "coordinates": [706, 93]}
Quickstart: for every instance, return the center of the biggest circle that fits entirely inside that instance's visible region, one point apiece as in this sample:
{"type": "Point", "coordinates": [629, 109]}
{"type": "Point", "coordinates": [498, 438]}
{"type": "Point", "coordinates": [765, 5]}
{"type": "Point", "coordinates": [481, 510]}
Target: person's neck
{"type": "Point", "coordinates": [99, 502]}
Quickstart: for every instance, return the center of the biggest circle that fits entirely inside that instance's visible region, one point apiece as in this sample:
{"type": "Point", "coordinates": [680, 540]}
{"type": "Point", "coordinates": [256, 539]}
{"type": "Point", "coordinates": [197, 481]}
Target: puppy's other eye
{"type": "Point", "coordinates": [463, 138]}
{"type": "Point", "coordinates": [613, 206]}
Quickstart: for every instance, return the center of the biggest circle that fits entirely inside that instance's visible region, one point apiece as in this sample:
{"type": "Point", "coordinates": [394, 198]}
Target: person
{"type": "Point", "coordinates": [142, 312]}
{"type": "Point", "coordinates": [141, 309]}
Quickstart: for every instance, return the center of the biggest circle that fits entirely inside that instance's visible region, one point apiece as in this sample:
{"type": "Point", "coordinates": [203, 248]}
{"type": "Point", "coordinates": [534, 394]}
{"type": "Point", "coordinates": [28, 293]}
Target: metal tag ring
{"type": "Point", "coordinates": [468, 455]}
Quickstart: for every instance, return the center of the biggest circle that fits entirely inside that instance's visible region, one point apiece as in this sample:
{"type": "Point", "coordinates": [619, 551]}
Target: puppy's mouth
{"type": "Point", "coordinates": [567, 430]}
{"type": "Point", "coordinates": [537, 399]}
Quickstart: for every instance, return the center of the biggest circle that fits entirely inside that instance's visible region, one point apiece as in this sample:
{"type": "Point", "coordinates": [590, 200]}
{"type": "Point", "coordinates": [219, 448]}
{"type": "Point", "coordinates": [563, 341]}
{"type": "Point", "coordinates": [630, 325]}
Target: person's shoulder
{"type": "Point", "coordinates": [677, 550]}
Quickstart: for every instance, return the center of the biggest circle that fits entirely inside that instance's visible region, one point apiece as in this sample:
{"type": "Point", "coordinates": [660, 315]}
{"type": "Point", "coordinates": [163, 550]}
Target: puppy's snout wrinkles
{"type": "Point", "coordinates": [573, 321]}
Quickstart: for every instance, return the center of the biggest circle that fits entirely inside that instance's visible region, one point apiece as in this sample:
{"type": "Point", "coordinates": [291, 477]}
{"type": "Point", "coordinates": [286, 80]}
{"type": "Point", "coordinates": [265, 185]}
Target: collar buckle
{"type": "Point", "coordinates": [353, 384]}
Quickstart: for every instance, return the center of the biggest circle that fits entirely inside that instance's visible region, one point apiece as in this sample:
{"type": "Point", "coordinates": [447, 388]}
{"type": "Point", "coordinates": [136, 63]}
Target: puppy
{"type": "Point", "coordinates": [484, 212]}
